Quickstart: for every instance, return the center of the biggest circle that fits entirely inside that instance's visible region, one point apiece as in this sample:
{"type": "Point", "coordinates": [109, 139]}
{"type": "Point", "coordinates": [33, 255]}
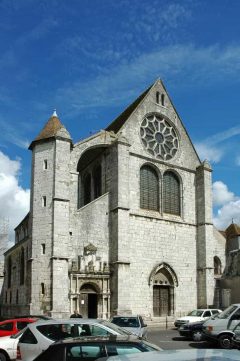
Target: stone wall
{"type": "Point", "coordinates": [132, 241]}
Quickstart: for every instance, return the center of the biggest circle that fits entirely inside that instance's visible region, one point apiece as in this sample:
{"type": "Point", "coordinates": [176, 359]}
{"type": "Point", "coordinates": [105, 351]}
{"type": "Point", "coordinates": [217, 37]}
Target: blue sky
{"type": "Point", "coordinates": [90, 58]}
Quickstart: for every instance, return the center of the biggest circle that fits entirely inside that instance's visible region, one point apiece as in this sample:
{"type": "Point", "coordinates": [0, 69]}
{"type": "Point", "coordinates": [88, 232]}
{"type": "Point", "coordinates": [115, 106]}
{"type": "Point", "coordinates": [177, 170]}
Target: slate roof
{"type": "Point", "coordinates": [121, 119]}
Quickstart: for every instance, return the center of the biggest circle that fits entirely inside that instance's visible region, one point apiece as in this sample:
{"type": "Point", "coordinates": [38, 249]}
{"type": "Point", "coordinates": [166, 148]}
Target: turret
{"type": "Point", "coordinates": [50, 217]}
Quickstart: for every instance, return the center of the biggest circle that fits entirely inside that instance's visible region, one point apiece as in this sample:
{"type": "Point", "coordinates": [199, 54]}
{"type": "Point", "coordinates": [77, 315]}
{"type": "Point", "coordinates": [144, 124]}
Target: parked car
{"type": "Point", "coordinates": [8, 346]}
{"type": "Point", "coordinates": [236, 338]}
{"type": "Point", "coordinates": [134, 324]}
{"type": "Point", "coordinates": [192, 330]}
{"type": "Point", "coordinates": [221, 328]}
{"type": "Point", "coordinates": [89, 348]}
{"type": "Point", "coordinates": [41, 334]}
{"type": "Point", "coordinates": [180, 355]}
{"type": "Point", "coordinates": [197, 315]}
{"type": "Point", "coordinates": [10, 327]}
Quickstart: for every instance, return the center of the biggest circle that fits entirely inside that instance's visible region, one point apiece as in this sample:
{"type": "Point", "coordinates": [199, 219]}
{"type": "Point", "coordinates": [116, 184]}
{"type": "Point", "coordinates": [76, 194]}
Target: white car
{"type": "Point", "coordinates": [39, 335]}
{"type": "Point", "coordinates": [8, 346]}
{"type": "Point", "coordinates": [197, 315]}
{"type": "Point", "coordinates": [133, 324]}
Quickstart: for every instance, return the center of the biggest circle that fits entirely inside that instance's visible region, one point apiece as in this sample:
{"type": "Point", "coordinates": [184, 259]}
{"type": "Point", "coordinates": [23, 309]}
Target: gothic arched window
{"type": "Point", "coordinates": [171, 193]}
{"type": "Point", "coordinates": [217, 266]}
{"type": "Point", "coordinates": [87, 189]}
{"type": "Point", "coordinates": [149, 188]}
{"type": "Point", "coordinates": [22, 267]}
{"type": "Point", "coordinates": [97, 181]}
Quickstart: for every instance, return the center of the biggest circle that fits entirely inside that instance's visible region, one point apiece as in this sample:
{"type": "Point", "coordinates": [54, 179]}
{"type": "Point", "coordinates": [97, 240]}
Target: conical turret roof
{"type": "Point", "coordinates": [232, 231]}
{"type": "Point", "coordinates": [52, 129]}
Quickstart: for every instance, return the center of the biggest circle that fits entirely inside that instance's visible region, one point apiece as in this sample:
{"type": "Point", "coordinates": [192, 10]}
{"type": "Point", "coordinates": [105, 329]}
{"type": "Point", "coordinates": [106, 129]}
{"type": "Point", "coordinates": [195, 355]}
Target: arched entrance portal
{"type": "Point", "coordinates": [88, 301]}
{"type": "Point", "coordinates": [163, 280]}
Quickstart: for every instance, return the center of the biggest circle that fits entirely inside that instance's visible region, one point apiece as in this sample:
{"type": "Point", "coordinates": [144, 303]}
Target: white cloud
{"type": "Point", "coordinates": [212, 149]}
{"type": "Point", "coordinates": [209, 152]}
{"type": "Point", "coordinates": [229, 213]}
{"type": "Point", "coordinates": [221, 194]}
{"type": "Point", "coordinates": [179, 63]}
{"type": "Point", "coordinates": [226, 134]}
{"type": "Point", "coordinates": [176, 12]}
{"type": "Point", "coordinates": [14, 199]}
{"type": "Point", "coordinates": [229, 204]}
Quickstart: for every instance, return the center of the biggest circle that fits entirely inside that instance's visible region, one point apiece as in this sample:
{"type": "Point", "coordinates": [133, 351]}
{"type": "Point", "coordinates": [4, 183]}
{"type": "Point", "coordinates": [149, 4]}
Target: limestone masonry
{"type": "Point", "coordinates": [120, 222]}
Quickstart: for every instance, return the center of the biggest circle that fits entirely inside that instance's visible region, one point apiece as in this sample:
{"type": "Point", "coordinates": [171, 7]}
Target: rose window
{"type": "Point", "coordinates": [159, 137]}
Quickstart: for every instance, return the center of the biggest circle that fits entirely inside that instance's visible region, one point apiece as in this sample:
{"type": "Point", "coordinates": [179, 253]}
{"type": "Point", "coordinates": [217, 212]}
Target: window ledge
{"type": "Point", "coordinates": [158, 216]}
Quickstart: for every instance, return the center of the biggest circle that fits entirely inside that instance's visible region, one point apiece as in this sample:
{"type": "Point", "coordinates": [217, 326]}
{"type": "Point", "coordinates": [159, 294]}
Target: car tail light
{"type": "Point", "coordinates": [19, 357]}
{"type": "Point", "coordinates": [210, 328]}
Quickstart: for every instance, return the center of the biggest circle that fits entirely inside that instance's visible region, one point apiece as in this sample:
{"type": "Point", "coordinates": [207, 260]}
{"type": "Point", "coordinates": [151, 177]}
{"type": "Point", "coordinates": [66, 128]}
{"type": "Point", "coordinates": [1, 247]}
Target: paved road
{"type": "Point", "coordinates": [171, 340]}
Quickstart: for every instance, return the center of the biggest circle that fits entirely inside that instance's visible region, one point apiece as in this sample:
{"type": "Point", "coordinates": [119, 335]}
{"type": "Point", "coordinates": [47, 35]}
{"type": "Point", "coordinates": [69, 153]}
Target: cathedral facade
{"type": "Point", "coordinates": [120, 222]}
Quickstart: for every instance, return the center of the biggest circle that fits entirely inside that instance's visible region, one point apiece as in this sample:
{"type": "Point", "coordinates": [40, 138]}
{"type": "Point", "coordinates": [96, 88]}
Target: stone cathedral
{"type": "Point", "coordinates": [120, 222]}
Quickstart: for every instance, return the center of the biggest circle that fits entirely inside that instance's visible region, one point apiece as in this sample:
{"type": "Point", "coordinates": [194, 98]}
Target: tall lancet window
{"type": "Point", "coordinates": [171, 193]}
{"type": "Point", "coordinates": [149, 188]}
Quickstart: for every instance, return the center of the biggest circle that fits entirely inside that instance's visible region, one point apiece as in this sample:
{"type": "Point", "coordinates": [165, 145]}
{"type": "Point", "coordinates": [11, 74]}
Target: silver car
{"type": "Point", "coordinates": [133, 324]}
{"type": "Point", "coordinates": [179, 355]}
{"type": "Point", "coordinates": [40, 335]}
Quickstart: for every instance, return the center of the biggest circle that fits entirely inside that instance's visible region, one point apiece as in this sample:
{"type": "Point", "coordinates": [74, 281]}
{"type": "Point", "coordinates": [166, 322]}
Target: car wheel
{"type": "Point", "coordinates": [225, 341]}
{"type": "Point", "coordinates": [2, 357]}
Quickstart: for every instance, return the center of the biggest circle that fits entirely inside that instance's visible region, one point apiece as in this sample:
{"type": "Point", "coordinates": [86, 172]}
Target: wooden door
{"type": "Point", "coordinates": [161, 301]}
{"type": "Point", "coordinates": [83, 305]}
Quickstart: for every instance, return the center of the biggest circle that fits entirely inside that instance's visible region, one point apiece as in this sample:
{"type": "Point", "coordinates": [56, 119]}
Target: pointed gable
{"type": "Point", "coordinates": [121, 119]}
{"type": "Point", "coordinates": [52, 129]}
{"type": "Point", "coordinates": [155, 101]}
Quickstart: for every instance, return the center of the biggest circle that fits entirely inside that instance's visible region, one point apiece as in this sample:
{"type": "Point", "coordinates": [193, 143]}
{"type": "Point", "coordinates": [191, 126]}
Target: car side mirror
{"type": "Point", "coordinates": [144, 325]}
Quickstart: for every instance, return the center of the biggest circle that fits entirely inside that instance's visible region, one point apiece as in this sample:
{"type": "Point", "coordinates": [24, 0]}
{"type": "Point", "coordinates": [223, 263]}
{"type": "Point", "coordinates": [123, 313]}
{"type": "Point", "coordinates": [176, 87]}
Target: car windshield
{"type": "Point", "coordinates": [116, 328]}
{"type": "Point", "coordinates": [196, 313]}
{"type": "Point", "coordinates": [126, 321]}
{"type": "Point", "coordinates": [226, 313]}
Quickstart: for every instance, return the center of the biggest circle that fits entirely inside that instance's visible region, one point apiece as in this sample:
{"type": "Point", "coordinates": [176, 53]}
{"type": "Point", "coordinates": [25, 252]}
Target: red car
{"type": "Point", "coordinates": [10, 327]}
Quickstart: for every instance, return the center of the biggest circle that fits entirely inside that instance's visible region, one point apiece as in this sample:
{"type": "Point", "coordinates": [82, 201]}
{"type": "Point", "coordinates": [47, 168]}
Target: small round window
{"type": "Point", "coordinates": [159, 137]}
